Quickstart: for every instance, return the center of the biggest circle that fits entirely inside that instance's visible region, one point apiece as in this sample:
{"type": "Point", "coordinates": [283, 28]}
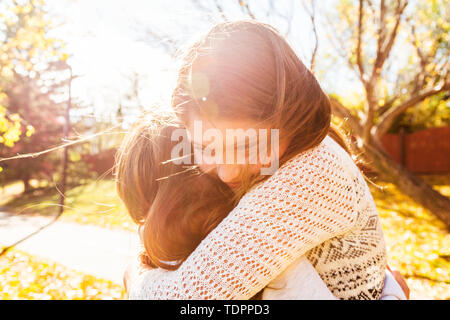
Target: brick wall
{"type": "Point", "coordinates": [425, 151]}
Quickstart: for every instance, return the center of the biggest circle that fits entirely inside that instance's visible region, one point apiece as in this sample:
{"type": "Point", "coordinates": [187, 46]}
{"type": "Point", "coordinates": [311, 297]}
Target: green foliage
{"type": "Point", "coordinates": [431, 113]}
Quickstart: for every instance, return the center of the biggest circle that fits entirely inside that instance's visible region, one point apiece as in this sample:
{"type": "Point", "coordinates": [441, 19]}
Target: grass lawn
{"type": "Point", "coordinates": [418, 244]}
{"type": "Point", "coordinates": [94, 203]}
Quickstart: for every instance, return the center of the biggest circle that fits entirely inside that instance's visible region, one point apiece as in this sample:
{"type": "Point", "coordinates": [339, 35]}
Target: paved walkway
{"type": "Point", "coordinates": [93, 250]}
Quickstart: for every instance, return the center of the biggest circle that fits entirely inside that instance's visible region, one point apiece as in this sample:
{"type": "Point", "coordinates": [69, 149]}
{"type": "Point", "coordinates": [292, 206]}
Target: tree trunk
{"type": "Point", "coordinates": [26, 184]}
{"type": "Point", "coordinates": [409, 184]}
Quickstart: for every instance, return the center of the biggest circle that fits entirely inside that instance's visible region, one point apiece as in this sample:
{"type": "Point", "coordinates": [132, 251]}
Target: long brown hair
{"type": "Point", "coordinates": [247, 69]}
{"type": "Point", "coordinates": [176, 204]}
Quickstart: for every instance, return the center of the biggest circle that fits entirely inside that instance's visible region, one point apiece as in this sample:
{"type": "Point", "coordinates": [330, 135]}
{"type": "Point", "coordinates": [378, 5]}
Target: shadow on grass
{"type": "Point", "coordinates": [43, 201]}
{"type": "Point", "coordinates": [93, 203]}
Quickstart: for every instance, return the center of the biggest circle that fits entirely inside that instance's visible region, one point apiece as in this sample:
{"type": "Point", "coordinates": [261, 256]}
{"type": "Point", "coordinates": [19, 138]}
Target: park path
{"type": "Point", "coordinates": [93, 250]}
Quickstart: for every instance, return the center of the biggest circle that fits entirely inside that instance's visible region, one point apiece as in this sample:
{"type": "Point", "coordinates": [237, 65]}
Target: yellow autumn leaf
{"type": "Point", "coordinates": [30, 130]}
{"type": "Point", "coordinates": [64, 57]}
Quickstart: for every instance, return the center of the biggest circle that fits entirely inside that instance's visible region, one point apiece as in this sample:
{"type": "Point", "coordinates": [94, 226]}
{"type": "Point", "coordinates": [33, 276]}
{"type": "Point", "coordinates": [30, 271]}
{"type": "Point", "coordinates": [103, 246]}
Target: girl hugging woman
{"type": "Point", "coordinates": [223, 230]}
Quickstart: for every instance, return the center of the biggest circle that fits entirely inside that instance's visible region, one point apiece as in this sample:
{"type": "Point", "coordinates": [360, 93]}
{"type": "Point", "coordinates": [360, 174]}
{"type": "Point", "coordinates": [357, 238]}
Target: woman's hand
{"type": "Point", "coordinates": [135, 266]}
{"type": "Point", "coordinates": [134, 269]}
{"type": "Point", "coordinates": [401, 281]}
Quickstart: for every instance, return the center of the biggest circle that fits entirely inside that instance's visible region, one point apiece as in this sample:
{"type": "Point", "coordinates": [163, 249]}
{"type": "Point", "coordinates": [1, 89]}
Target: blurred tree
{"type": "Point", "coordinates": [10, 129]}
{"type": "Point", "coordinates": [45, 116]}
{"type": "Point", "coordinates": [431, 113]}
{"type": "Point", "coordinates": [31, 81]}
{"type": "Point", "coordinates": [400, 54]}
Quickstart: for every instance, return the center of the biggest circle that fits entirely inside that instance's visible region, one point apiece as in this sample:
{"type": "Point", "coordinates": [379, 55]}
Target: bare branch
{"type": "Point", "coordinates": [220, 9]}
{"type": "Point", "coordinates": [342, 112]}
{"type": "Point", "coordinates": [246, 8]}
{"type": "Point", "coordinates": [338, 45]}
{"type": "Point", "coordinates": [383, 50]}
{"type": "Point", "coordinates": [371, 7]}
{"type": "Point", "coordinates": [388, 104]}
{"type": "Point", "coordinates": [169, 44]}
{"type": "Point", "coordinates": [358, 46]}
{"type": "Point", "coordinates": [389, 116]}
{"type": "Point", "coordinates": [423, 59]}
{"type": "Point", "coordinates": [289, 18]}
{"type": "Point", "coordinates": [420, 81]}
{"type": "Point", "coordinates": [312, 16]}
{"type": "Point", "coordinates": [388, 47]}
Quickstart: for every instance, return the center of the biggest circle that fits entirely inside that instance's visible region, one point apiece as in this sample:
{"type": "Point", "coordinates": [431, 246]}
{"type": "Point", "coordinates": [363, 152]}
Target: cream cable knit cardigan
{"type": "Point", "coordinates": [317, 204]}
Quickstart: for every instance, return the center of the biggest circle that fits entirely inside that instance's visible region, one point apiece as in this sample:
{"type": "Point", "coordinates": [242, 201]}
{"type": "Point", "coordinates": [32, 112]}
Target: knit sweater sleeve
{"type": "Point", "coordinates": [310, 199]}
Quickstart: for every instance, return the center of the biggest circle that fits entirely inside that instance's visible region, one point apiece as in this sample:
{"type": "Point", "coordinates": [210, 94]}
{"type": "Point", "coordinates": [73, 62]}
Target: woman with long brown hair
{"type": "Point", "coordinates": [244, 75]}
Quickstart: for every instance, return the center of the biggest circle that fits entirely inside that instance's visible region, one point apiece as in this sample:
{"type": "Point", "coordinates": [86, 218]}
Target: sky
{"type": "Point", "coordinates": [107, 43]}
{"type": "Point", "coordinates": [105, 51]}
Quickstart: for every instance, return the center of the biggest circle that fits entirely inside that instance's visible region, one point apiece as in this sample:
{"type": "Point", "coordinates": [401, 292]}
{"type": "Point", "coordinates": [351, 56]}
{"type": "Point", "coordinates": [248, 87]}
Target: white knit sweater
{"type": "Point", "coordinates": [317, 204]}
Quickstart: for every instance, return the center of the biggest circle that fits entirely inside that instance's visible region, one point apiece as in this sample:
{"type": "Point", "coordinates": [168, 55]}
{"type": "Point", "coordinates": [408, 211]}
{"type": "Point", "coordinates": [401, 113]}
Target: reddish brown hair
{"type": "Point", "coordinates": [176, 205]}
{"type": "Point", "coordinates": [247, 69]}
